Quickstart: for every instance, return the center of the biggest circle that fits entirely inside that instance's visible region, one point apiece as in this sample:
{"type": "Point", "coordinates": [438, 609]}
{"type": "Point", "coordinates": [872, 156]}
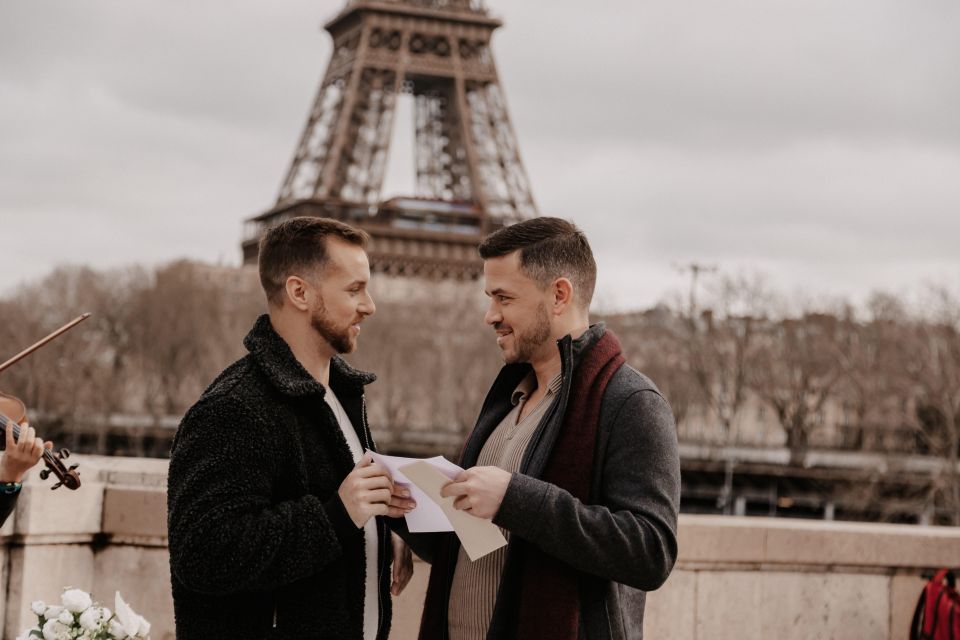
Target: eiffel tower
{"type": "Point", "coordinates": [469, 176]}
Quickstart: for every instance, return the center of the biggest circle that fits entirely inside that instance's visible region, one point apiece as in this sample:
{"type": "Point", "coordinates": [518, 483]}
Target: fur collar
{"type": "Point", "coordinates": [277, 361]}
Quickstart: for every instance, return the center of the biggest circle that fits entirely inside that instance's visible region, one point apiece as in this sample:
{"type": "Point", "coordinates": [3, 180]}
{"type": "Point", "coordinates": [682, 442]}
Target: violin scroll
{"type": "Point", "coordinates": [68, 477]}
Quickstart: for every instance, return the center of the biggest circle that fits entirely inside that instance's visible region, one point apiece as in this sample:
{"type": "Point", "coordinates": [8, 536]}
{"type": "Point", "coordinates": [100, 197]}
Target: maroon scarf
{"type": "Point", "coordinates": [549, 594]}
{"type": "Point", "coordinates": [549, 604]}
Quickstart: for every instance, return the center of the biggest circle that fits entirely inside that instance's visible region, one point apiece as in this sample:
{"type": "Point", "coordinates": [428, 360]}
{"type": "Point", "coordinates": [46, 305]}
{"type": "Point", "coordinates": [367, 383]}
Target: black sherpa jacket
{"type": "Point", "coordinates": [260, 544]}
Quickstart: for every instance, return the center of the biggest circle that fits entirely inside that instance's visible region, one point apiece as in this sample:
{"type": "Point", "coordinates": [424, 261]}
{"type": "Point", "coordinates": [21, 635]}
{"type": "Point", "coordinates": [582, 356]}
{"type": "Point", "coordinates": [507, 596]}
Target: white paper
{"type": "Point", "coordinates": [427, 516]}
{"type": "Point", "coordinates": [478, 536]}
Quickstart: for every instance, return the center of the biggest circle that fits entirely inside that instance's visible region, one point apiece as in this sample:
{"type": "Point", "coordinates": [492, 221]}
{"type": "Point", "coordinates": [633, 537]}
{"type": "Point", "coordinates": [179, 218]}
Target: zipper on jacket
{"type": "Point", "coordinates": [561, 398]}
{"type": "Point", "coordinates": [367, 436]}
{"type": "Point", "coordinates": [385, 532]}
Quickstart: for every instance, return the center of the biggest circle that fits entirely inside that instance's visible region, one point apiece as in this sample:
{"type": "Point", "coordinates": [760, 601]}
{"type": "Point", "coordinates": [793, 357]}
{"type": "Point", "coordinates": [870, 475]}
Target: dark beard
{"type": "Point", "coordinates": [337, 338]}
{"type": "Point", "coordinates": [528, 343]}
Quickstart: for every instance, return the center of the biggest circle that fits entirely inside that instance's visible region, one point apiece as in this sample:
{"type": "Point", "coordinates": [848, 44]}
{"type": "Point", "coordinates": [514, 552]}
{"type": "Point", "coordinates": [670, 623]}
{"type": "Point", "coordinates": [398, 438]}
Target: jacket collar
{"type": "Point", "coordinates": [285, 372]}
{"type": "Point", "coordinates": [571, 352]}
{"type": "Point", "coordinates": [582, 344]}
{"type": "Point", "coordinates": [497, 403]}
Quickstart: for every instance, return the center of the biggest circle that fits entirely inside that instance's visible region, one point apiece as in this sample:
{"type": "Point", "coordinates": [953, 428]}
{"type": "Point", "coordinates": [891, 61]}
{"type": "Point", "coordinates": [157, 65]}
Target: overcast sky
{"type": "Point", "coordinates": [814, 140]}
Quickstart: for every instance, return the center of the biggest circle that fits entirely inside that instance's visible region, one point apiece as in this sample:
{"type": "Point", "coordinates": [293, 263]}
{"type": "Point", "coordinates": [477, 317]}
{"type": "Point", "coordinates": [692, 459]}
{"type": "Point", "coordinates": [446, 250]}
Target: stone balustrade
{"type": "Point", "coordinates": [736, 577]}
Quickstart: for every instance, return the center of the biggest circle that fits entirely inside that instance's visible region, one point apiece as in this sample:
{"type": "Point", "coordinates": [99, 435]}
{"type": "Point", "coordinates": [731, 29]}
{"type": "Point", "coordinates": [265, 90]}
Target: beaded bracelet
{"type": "Point", "coordinates": [10, 487]}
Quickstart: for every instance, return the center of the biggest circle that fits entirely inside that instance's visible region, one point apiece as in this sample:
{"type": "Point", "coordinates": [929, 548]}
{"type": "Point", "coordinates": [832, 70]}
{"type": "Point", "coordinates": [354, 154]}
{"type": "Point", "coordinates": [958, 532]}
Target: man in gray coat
{"type": "Point", "coordinates": [574, 456]}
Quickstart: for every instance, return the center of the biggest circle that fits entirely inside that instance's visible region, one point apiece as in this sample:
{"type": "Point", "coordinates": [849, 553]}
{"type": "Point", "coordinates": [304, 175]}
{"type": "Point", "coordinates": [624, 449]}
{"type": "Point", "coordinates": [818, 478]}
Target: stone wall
{"type": "Point", "coordinates": [109, 535]}
{"type": "Point", "coordinates": [736, 577]}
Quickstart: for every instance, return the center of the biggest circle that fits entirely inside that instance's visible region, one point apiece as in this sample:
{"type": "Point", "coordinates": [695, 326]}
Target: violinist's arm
{"type": "Point", "coordinates": [18, 458]}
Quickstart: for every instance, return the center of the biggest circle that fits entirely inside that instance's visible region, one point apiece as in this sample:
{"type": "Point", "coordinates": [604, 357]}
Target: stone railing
{"type": "Point", "coordinates": [736, 577]}
{"type": "Point", "coordinates": [108, 535]}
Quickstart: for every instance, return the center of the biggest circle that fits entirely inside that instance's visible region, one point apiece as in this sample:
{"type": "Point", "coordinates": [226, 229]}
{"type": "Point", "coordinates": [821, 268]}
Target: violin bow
{"type": "Point", "coordinates": [54, 462]}
{"type": "Point", "coordinates": [23, 354]}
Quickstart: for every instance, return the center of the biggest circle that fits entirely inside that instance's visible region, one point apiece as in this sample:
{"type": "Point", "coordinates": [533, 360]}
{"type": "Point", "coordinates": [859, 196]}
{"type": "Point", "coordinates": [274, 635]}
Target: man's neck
{"type": "Point", "coordinates": [548, 366]}
{"type": "Point", "coordinates": [314, 357]}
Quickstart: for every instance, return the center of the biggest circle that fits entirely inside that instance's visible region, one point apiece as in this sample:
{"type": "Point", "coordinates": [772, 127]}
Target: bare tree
{"type": "Point", "coordinates": [394, 346]}
{"type": "Point", "coordinates": [473, 359]}
{"type": "Point", "coordinates": [933, 369]}
{"type": "Point", "coordinates": [158, 337]}
{"type": "Point", "coordinates": [870, 357]}
{"type": "Point", "coordinates": [721, 342]}
{"type": "Point", "coordinates": [56, 382]}
{"type": "Point", "coordinates": [185, 332]}
{"type": "Point", "coordinates": [654, 342]}
{"type": "Point", "coordinates": [434, 362]}
{"type": "Point", "coordinates": [794, 371]}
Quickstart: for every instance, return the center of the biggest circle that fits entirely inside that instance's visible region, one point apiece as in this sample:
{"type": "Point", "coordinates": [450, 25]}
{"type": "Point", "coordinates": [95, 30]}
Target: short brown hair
{"type": "Point", "coordinates": [550, 248]}
{"type": "Point", "coordinates": [298, 246]}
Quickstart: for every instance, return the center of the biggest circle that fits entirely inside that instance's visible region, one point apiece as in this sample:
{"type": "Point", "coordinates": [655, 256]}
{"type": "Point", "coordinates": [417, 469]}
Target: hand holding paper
{"type": "Point", "coordinates": [427, 516]}
{"type": "Point", "coordinates": [369, 491]}
{"type": "Point", "coordinates": [479, 490]}
{"type": "Point", "coordinates": [434, 512]}
{"type": "Point", "coordinates": [477, 535]}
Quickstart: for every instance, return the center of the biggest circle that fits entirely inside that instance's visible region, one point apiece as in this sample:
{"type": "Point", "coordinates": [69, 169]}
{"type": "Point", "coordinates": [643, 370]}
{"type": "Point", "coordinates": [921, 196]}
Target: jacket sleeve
{"type": "Point", "coordinates": [225, 533]}
{"type": "Point", "coordinates": [425, 545]}
{"type": "Point", "coordinates": [7, 502]}
{"type": "Point", "coordinates": [630, 535]}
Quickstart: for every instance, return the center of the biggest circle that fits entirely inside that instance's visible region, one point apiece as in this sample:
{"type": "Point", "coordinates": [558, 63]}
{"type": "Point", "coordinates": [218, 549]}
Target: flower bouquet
{"type": "Point", "coordinates": [78, 617]}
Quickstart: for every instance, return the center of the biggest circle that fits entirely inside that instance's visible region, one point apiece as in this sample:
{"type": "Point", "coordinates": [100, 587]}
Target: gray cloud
{"type": "Point", "coordinates": [818, 141]}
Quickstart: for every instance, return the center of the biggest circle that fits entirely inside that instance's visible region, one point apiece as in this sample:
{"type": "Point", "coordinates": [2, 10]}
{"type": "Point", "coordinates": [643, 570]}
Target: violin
{"type": "Point", "coordinates": [13, 413]}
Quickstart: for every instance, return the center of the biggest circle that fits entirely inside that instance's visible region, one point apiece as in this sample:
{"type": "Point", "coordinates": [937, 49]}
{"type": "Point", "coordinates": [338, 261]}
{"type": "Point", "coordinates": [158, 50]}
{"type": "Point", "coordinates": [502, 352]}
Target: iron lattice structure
{"type": "Point", "coordinates": [469, 176]}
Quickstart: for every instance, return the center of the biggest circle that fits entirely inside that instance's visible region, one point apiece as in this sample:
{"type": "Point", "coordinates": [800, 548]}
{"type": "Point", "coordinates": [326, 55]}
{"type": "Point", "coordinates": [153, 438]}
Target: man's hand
{"type": "Point", "coordinates": [402, 565]}
{"type": "Point", "coordinates": [368, 491]}
{"type": "Point", "coordinates": [20, 455]}
{"type": "Point", "coordinates": [480, 490]}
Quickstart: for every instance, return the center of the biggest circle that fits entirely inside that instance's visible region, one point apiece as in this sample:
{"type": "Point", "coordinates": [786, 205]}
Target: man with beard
{"type": "Point", "coordinates": [574, 456]}
{"type": "Point", "coordinates": [272, 501]}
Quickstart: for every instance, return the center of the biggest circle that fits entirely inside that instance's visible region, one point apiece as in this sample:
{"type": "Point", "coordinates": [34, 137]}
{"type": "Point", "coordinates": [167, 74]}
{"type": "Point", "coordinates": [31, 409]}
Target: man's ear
{"type": "Point", "coordinates": [298, 291]}
{"type": "Point", "coordinates": [562, 295]}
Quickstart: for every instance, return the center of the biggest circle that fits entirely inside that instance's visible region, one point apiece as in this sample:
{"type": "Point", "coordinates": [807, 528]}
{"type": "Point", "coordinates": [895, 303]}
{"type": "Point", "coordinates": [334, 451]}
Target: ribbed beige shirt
{"type": "Point", "coordinates": [475, 584]}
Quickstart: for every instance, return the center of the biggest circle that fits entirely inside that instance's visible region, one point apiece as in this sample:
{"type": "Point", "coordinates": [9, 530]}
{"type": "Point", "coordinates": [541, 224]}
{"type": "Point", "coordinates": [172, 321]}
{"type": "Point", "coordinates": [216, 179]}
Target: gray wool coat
{"type": "Point", "coordinates": [624, 540]}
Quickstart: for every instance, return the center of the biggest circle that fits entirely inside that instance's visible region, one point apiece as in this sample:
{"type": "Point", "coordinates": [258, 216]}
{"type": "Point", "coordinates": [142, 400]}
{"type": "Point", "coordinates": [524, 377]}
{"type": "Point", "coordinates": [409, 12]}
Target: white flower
{"type": "Point", "coordinates": [117, 630]}
{"type": "Point", "coordinates": [133, 625]}
{"type": "Point", "coordinates": [38, 607]}
{"type": "Point", "coordinates": [55, 630]}
{"type": "Point", "coordinates": [94, 618]}
{"type": "Point", "coordinates": [52, 611]}
{"type": "Point", "coordinates": [144, 627]}
{"type": "Point", "coordinates": [76, 600]}
{"type": "Point", "coordinates": [65, 617]}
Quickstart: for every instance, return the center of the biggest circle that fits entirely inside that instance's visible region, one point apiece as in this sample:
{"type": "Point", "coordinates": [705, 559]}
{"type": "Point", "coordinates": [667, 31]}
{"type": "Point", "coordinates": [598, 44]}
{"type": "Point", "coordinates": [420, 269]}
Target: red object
{"type": "Point", "coordinates": [937, 616]}
{"type": "Point", "coordinates": [549, 596]}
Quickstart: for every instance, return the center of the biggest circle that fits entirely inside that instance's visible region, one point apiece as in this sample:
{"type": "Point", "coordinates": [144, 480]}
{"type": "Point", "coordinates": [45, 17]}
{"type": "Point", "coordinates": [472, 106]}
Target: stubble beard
{"type": "Point", "coordinates": [527, 343]}
{"type": "Point", "coordinates": [338, 338]}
